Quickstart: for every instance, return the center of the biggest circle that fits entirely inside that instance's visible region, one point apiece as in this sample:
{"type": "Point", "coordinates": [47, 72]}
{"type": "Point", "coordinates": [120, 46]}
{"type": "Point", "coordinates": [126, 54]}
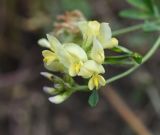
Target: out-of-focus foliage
{"type": "Point", "coordinates": [81, 5]}
{"type": "Point", "coordinates": [142, 9]}
{"type": "Point", "coordinates": [149, 26]}
{"type": "Point", "coordinates": [147, 10]}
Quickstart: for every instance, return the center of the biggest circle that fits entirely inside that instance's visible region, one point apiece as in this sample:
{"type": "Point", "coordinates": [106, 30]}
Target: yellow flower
{"type": "Point", "coordinates": [48, 57]}
{"type": "Point", "coordinates": [93, 69]}
{"type": "Point", "coordinates": [90, 68]}
{"type": "Point", "coordinates": [96, 81]}
{"type": "Point", "coordinates": [97, 52]}
{"type": "Point", "coordinates": [51, 61]}
{"type": "Point", "coordinates": [101, 31]}
{"type": "Point", "coordinates": [75, 68]}
{"type": "Point", "coordinates": [68, 55]}
{"type": "Point", "coordinates": [89, 30]}
{"type": "Point", "coordinates": [77, 57]}
{"type": "Point", "coordinates": [57, 57]}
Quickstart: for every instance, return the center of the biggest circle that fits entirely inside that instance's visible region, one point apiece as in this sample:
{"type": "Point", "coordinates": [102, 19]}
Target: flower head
{"type": "Point", "coordinates": [78, 56]}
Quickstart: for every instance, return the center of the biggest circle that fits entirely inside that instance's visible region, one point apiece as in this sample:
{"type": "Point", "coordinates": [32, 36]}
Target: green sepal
{"type": "Point", "coordinates": [120, 49]}
{"type": "Point", "coordinates": [137, 57]}
{"type": "Point", "coordinates": [119, 60]}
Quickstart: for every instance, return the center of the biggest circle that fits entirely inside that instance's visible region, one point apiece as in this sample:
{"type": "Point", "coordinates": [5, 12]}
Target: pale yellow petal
{"type": "Point", "coordinates": [72, 71]}
{"type": "Point", "coordinates": [44, 43]}
{"type": "Point", "coordinates": [89, 30]}
{"type": "Point", "coordinates": [55, 66]}
{"type": "Point", "coordinates": [61, 53]}
{"type": "Point", "coordinates": [60, 98]}
{"type": "Point", "coordinates": [94, 27]}
{"type": "Point", "coordinates": [63, 56]}
{"type": "Point", "coordinates": [85, 73]}
{"type": "Point", "coordinates": [111, 43]}
{"type": "Point", "coordinates": [97, 52]}
{"type": "Point", "coordinates": [102, 81]}
{"type": "Point", "coordinates": [89, 68]}
{"type": "Point", "coordinates": [105, 34]}
{"type": "Point", "coordinates": [83, 26]}
{"type": "Point", "coordinates": [92, 66]}
{"type": "Point", "coordinates": [75, 51]}
{"type": "Point", "coordinates": [49, 57]}
{"type": "Point", "coordinates": [47, 53]}
{"type": "Point", "coordinates": [55, 44]}
{"type": "Point", "coordinates": [91, 84]}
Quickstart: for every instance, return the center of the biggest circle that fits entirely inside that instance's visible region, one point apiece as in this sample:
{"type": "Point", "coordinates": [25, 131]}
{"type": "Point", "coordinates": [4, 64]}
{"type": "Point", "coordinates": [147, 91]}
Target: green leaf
{"type": "Point", "coordinates": [139, 4]}
{"type": "Point", "coordinates": [155, 7]}
{"type": "Point", "coordinates": [149, 27]}
{"type": "Point", "coordinates": [149, 4]}
{"type": "Point", "coordinates": [93, 98]}
{"type": "Point", "coordinates": [135, 14]}
{"type": "Point", "coordinates": [137, 57]}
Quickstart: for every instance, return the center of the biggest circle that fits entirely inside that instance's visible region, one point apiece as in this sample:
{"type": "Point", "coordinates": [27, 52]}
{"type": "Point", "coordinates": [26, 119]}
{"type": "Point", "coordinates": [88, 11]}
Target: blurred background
{"type": "Point", "coordinates": [24, 107]}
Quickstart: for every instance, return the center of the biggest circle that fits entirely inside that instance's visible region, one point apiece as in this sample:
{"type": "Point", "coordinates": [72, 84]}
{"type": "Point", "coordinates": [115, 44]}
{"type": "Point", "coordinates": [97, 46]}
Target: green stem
{"type": "Point", "coordinates": [131, 28]}
{"type": "Point", "coordinates": [145, 58]}
{"type": "Point", "coordinates": [128, 29]}
{"type": "Point", "coordinates": [81, 88]}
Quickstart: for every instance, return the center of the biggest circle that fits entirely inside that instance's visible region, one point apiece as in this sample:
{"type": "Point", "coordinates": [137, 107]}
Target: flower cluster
{"type": "Point", "coordinates": [85, 58]}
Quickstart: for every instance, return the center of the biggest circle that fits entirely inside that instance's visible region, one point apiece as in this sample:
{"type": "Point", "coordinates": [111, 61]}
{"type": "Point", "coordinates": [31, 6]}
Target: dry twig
{"type": "Point", "coordinates": [124, 111]}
